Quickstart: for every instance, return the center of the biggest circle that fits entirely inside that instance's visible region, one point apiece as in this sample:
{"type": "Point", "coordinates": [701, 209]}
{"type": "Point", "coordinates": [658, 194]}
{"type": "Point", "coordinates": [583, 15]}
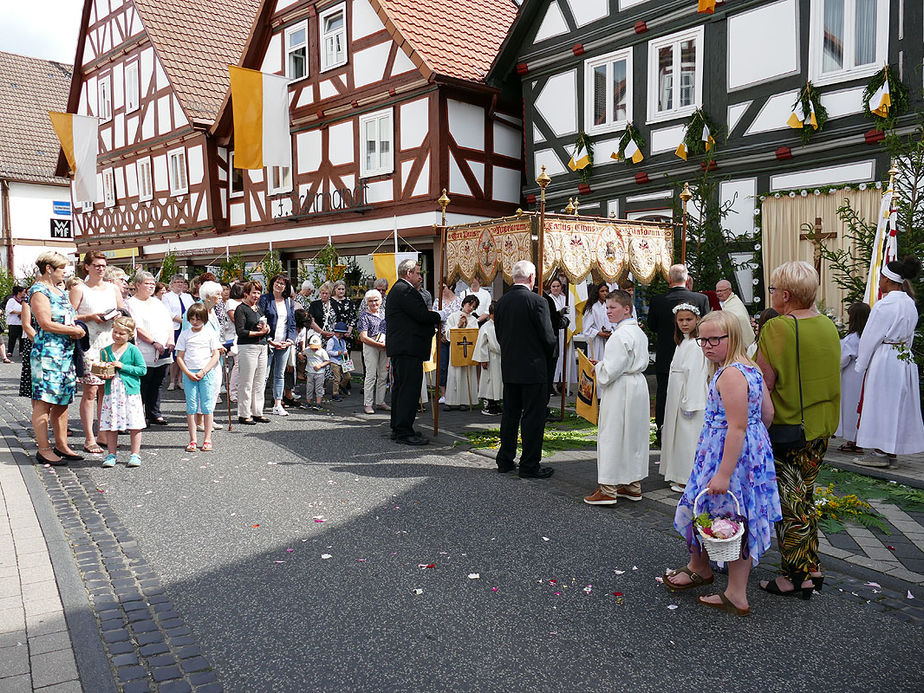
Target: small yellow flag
{"type": "Point", "coordinates": [580, 159]}
{"type": "Point", "coordinates": [707, 138]}
{"type": "Point", "coordinates": [880, 101]}
{"type": "Point", "coordinates": [681, 151]}
{"type": "Point", "coordinates": [812, 120]}
{"type": "Point", "coordinates": [587, 406]}
{"type": "Point", "coordinates": [706, 6]}
{"type": "Point", "coordinates": [797, 117]}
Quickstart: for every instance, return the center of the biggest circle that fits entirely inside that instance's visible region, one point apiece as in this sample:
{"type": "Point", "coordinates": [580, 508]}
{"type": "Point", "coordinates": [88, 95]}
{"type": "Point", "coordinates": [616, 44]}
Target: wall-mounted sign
{"type": "Point", "coordinates": [337, 200]}
{"type": "Point", "coordinates": [61, 208]}
{"type": "Point", "coordinates": [61, 228]}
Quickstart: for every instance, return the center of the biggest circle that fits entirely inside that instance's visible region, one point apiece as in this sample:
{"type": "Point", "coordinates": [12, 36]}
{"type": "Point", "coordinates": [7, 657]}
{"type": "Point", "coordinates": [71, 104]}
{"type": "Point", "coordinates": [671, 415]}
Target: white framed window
{"type": "Point", "coordinates": [376, 135]}
{"type": "Point", "coordinates": [675, 75]}
{"type": "Point", "coordinates": [278, 180]}
{"type": "Point", "coordinates": [608, 92]}
{"type": "Point", "coordinates": [109, 196]}
{"type": "Point", "coordinates": [333, 37]}
{"type": "Point", "coordinates": [132, 87]}
{"type": "Point", "coordinates": [848, 39]}
{"type": "Point", "coordinates": [176, 171]}
{"type": "Point", "coordinates": [296, 42]}
{"type": "Point", "coordinates": [235, 178]}
{"type": "Point", "coordinates": [145, 180]}
{"type": "Point", "coordinates": [104, 93]}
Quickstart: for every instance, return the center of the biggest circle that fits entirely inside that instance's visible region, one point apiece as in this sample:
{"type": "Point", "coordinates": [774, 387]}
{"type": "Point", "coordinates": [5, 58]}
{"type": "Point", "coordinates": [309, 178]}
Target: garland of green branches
{"type": "Point", "coordinates": [585, 140]}
{"type": "Point", "coordinates": [631, 133]}
{"type": "Point", "coordinates": [693, 139]}
{"type": "Point", "coordinates": [898, 95]}
{"type": "Point", "coordinates": [809, 97]}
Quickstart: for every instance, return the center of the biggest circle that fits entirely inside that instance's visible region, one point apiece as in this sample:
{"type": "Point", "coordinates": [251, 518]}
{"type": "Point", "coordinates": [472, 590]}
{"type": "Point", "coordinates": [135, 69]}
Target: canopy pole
{"type": "Point", "coordinates": [444, 203]}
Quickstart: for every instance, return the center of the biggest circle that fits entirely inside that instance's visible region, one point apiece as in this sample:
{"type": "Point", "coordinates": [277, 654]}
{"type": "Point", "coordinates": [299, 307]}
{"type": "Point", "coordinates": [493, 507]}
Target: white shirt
{"type": "Point", "coordinates": [177, 303]}
{"type": "Point", "coordinates": [230, 332]}
{"type": "Point", "coordinates": [282, 314]}
{"type": "Point", "coordinates": [197, 347]}
{"type": "Point", "coordinates": [12, 305]}
{"type": "Point", "coordinates": [153, 317]}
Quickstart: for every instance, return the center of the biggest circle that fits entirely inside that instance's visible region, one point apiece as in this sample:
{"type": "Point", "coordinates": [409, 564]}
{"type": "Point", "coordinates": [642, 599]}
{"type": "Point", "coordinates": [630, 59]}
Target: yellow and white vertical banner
{"type": "Point", "coordinates": [577, 300]}
{"type": "Point", "coordinates": [885, 247]}
{"type": "Point", "coordinates": [587, 406]}
{"type": "Point", "coordinates": [79, 137]}
{"type": "Point", "coordinates": [260, 107]}
{"type": "Point", "coordinates": [386, 265]}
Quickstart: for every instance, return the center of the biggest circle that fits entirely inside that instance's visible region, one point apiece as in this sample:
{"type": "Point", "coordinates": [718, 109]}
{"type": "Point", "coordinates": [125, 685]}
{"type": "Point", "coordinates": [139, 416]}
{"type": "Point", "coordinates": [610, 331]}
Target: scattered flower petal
{"type": "Point", "coordinates": [619, 572]}
{"type": "Point", "coordinates": [418, 591]}
{"type": "Point", "coordinates": [360, 560]}
{"type": "Point", "coordinates": [545, 538]}
{"type": "Point", "coordinates": [873, 584]}
{"type": "Point", "coordinates": [47, 465]}
{"type": "Point", "coordinates": [671, 606]}
{"type": "Point", "coordinates": [474, 576]}
{"type": "Point", "coordinates": [635, 567]}
{"type": "Point", "coordinates": [254, 525]}
{"type": "Point", "coordinates": [588, 589]}
{"type": "Point", "coordinates": [325, 556]}
{"type": "Point", "coordinates": [659, 580]}
{"type": "Point", "coordinates": [617, 594]}
{"type": "Point", "coordinates": [289, 550]}
{"type": "Point", "coordinates": [494, 589]}
{"type": "Point", "coordinates": [426, 565]}
{"type": "Point", "coordinates": [890, 548]}
{"type": "Point", "coordinates": [278, 561]}
{"type": "Point", "coordinates": [910, 596]}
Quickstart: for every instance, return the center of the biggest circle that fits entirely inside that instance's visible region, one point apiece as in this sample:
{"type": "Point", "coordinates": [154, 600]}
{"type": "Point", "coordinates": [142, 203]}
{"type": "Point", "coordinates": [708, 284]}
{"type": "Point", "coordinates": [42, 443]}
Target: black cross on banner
{"type": "Point", "coordinates": [465, 344]}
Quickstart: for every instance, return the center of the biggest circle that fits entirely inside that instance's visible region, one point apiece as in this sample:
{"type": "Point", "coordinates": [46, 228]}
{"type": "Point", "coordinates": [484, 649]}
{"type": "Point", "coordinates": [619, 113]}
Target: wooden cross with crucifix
{"type": "Point", "coordinates": [816, 237]}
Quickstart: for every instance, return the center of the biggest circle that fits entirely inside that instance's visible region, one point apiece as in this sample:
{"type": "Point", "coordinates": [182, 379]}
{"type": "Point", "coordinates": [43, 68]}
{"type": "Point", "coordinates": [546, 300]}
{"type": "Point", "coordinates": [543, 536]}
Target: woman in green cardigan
{"type": "Point", "coordinates": [123, 408]}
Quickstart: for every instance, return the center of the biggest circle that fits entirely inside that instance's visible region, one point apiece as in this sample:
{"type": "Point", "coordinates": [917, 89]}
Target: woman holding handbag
{"type": "Point", "coordinates": [799, 354]}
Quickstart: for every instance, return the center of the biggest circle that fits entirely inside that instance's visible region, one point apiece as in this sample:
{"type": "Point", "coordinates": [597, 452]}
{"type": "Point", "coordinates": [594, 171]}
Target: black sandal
{"type": "Point", "coordinates": [804, 593]}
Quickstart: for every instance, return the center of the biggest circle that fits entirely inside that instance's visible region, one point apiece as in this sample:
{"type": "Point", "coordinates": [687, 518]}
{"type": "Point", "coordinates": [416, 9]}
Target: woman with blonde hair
{"type": "Point", "coordinates": [799, 354]}
{"type": "Point", "coordinates": [733, 456]}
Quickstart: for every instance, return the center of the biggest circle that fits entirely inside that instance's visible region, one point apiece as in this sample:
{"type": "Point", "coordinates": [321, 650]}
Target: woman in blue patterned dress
{"type": "Point", "coordinates": [733, 454]}
{"type": "Point", "coordinates": [52, 359]}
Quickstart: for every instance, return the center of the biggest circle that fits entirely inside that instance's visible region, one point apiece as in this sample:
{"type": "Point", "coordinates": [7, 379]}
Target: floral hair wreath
{"type": "Point", "coordinates": [686, 306]}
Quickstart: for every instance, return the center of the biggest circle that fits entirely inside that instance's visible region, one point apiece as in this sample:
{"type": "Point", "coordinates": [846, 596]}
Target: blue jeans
{"type": "Point", "coordinates": [200, 394]}
{"type": "Point", "coordinates": [276, 363]}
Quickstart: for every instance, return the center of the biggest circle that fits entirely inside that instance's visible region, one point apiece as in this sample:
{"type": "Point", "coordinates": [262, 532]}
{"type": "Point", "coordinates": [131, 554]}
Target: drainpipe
{"type": "Point", "coordinates": [7, 231]}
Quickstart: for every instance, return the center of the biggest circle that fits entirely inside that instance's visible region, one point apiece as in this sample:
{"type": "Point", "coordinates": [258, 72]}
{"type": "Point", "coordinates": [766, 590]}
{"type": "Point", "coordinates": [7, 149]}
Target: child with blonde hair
{"type": "Point", "coordinates": [197, 354]}
{"type": "Point", "coordinates": [123, 408]}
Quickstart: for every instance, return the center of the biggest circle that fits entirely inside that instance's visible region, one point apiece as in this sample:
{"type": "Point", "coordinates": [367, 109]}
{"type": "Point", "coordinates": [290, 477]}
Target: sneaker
{"type": "Point", "coordinates": [678, 488]}
{"type": "Point", "coordinates": [384, 407]}
{"type": "Point", "coordinates": [110, 460]}
{"type": "Point", "coordinates": [874, 462]}
{"type": "Point", "coordinates": [337, 398]}
{"type": "Point", "coordinates": [598, 497]}
{"type": "Point", "coordinates": [487, 412]}
{"type": "Point", "coordinates": [134, 460]}
{"type": "Point", "coordinates": [279, 410]}
{"type": "Point", "coordinates": [442, 400]}
{"type": "Point", "coordinates": [628, 493]}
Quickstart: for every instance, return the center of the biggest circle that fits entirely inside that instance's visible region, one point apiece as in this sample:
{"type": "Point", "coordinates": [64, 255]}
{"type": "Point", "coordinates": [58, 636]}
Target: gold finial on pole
{"type": "Point", "coordinates": [570, 208]}
{"type": "Point", "coordinates": [444, 203]}
{"type": "Point", "coordinates": [542, 180]}
{"type": "Point", "coordinates": [892, 173]}
{"type": "Point", "coordinates": [685, 196]}
{"type": "Point", "coordinates": [577, 204]}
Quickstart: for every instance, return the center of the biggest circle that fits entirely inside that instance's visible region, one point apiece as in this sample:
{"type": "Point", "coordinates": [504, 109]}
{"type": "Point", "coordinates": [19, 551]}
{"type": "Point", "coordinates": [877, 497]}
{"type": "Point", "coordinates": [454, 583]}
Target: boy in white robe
{"type": "Point", "coordinates": [851, 381]}
{"type": "Point", "coordinates": [462, 381]}
{"type": "Point", "coordinates": [625, 407]}
{"type": "Point", "coordinates": [488, 354]}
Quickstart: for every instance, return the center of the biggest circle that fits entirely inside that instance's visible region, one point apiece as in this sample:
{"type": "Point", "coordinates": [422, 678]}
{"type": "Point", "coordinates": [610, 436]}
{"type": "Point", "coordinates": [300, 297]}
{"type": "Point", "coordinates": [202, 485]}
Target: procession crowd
{"type": "Point", "coordinates": [744, 410]}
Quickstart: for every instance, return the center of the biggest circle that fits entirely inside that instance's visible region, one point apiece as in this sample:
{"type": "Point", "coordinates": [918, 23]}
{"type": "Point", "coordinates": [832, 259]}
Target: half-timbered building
{"type": "Point", "coordinates": [594, 66]}
{"type": "Point", "coordinates": [35, 205]}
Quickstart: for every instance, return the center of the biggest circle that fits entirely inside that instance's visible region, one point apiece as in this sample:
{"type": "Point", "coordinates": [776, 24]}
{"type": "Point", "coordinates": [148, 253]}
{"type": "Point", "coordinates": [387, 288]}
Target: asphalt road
{"type": "Point", "coordinates": [294, 552]}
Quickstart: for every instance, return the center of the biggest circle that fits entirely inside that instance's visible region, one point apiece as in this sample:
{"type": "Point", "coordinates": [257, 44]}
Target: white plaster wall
{"type": "Point", "coordinates": [587, 11]}
{"type": "Point", "coordinates": [160, 74]}
{"type": "Point", "coordinates": [843, 103]}
{"type": "Point", "coordinates": [549, 159]}
{"type": "Point", "coordinates": [774, 114]}
{"type": "Point", "coordinates": [478, 169]}
{"type": "Point", "coordinates": [557, 103]}
{"type": "Point", "coordinates": [457, 182]}
{"type": "Point", "coordinates": [422, 187]}
{"type": "Point", "coordinates": [667, 139]}
{"type": "Point", "coordinates": [507, 140]}
{"type": "Point", "coordinates": [146, 71]}
{"type": "Point", "coordinates": [415, 123]}
{"type": "Point", "coordinates": [402, 63]}
{"type": "Point", "coordinates": [327, 89]}
{"type": "Point", "coordinates": [308, 151]}
{"type": "Point", "coordinates": [163, 115]}
{"type": "Point", "coordinates": [179, 118]}
{"type": "Point", "coordinates": [735, 112]}
{"type": "Point", "coordinates": [380, 191]}
{"type": "Point", "coordinates": [763, 43]}
{"type": "Point", "coordinates": [553, 23]}
{"type": "Point", "coordinates": [118, 86]}
{"type": "Point", "coordinates": [506, 185]}
{"type": "Point", "coordinates": [857, 172]}
{"type": "Point", "coordinates": [272, 59]}
{"type": "Point", "coordinates": [603, 149]}
{"type": "Point", "coordinates": [118, 124]}
{"type": "Point", "coordinates": [466, 124]}
{"type": "Point", "coordinates": [369, 64]}
{"type": "Point", "coordinates": [195, 163]}
{"type": "Point", "coordinates": [365, 21]}
{"type": "Point", "coordinates": [341, 143]}
{"type": "Point", "coordinates": [159, 164]}
{"type": "Point", "coordinates": [118, 174]}
{"type": "Point", "coordinates": [237, 214]}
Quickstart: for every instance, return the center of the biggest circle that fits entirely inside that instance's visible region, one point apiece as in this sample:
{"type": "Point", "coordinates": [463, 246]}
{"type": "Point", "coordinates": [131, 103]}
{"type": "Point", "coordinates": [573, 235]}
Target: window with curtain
{"type": "Point", "coordinates": [849, 39]}
{"type": "Point", "coordinates": [333, 37]}
{"type": "Point", "coordinates": [675, 75]}
{"type": "Point", "coordinates": [608, 91]}
{"type": "Point", "coordinates": [297, 51]}
{"type": "Point", "coordinates": [377, 134]}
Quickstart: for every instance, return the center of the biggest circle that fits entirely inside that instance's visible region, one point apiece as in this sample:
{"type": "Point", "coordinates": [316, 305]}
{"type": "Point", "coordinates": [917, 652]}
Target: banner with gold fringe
{"type": "Point", "coordinates": [587, 406]}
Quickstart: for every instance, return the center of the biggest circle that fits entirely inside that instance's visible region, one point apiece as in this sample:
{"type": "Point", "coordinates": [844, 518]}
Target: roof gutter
{"type": "Point", "coordinates": [7, 231]}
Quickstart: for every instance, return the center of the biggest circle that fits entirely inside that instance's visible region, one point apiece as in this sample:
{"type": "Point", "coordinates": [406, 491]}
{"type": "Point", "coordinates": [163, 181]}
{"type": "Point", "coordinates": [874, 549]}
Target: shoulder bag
{"type": "Point", "coordinates": [785, 437]}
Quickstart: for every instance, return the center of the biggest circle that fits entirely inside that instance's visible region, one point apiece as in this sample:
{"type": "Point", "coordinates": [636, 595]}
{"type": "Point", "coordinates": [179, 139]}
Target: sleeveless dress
{"type": "Point", "coordinates": [52, 355]}
{"type": "Point", "coordinates": [753, 480]}
{"type": "Point", "coordinates": [101, 300]}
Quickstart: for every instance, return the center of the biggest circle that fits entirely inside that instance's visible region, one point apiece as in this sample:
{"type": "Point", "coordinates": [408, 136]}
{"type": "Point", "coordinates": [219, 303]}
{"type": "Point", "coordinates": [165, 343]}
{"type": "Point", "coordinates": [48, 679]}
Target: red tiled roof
{"type": "Point", "coordinates": [454, 38]}
{"type": "Point", "coordinates": [29, 88]}
{"type": "Point", "coordinates": [196, 40]}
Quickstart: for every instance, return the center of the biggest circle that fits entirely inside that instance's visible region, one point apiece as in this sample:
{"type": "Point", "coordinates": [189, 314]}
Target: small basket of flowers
{"type": "Point", "coordinates": [721, 536]}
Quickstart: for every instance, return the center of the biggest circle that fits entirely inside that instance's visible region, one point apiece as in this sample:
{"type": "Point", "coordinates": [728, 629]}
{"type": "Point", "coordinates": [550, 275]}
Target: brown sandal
{"type": "Point", "coordinates": [696, 579]}
{"type": "Point", "coordinates": [850, 447]}
{"type": "Point", "coordinates": [725, 605]}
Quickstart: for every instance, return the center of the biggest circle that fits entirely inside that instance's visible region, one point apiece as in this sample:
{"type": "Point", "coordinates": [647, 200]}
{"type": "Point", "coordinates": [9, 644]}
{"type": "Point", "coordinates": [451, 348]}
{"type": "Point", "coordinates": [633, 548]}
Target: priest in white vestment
{"type": "Point", "coordinates": [488, 352]}
{"type": "Point", "coordinates": [565, 344]}
{"type": "Point", "coordinates": [625, 408]}
{"type": "Point", "coordinates": [730, 302]}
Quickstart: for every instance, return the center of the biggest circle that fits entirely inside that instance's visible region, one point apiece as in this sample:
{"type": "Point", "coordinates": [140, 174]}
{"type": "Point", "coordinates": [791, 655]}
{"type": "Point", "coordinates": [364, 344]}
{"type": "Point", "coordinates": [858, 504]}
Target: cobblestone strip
{"type": "Point", "coordinates": [149, 646]}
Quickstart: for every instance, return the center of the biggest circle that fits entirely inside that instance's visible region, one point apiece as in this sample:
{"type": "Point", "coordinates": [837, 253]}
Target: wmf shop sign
{"type": "Point", "coordinates": [61, 229]}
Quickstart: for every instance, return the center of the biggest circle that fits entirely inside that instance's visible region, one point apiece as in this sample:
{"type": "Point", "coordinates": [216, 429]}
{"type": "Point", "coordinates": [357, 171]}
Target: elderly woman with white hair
{"type": "Point", "coordinates": [154, 330]}
{"type": "Point", "coordinates": [371, 328]}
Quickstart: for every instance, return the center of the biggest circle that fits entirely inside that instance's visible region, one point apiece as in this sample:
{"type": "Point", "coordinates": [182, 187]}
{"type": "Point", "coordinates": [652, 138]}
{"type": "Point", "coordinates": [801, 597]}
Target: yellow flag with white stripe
{"type": "Point", "coordinates": [880, 101]}
{"type": "Point", "coordinates": [707, 137]}
{"type": "Point", "coordinates": [580, 158]}
{"type": "Point", "coordinates": [79, 137]}
{"type": "Point", "coordinates": [577, 303]}
{"type": "Point", "coordinates": [260, 107]}
{"type": "Point", "coordinates": [798, 116]}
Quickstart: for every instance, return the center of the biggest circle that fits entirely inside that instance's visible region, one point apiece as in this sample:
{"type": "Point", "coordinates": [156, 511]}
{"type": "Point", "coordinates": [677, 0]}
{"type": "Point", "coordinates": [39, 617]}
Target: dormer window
{"type": "Point", "coordinates": [333, 37]}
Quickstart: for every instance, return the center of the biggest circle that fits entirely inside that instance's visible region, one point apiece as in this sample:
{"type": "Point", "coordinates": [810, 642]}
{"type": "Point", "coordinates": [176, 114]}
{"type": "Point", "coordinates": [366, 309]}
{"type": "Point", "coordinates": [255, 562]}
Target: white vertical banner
{"type": "Point", "coordinates": [277, 140]}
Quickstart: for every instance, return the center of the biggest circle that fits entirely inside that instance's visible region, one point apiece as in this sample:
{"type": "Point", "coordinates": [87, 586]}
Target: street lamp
{"type": "Point", "coordinates": [543, 181]}
{"type": "Point", "coordinates": [685, 196]}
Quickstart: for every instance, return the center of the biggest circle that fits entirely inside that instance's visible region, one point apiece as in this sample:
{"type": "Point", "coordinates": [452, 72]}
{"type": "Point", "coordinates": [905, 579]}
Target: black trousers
{"type": "Point", "coordinates": [661, 400]}
{"type": "Point", "coordinates": [524, 407]}
{"type": "Point", "coordinates": [150, 391]}
{"type": "Point", "coordinates": [15, 336]}
{"type": "Point", "coordinates": [405, 394]}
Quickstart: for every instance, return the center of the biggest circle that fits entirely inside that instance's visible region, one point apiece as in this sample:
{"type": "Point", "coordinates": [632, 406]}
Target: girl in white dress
{"type": "Point", "coordinates": [488, 354]}
{"type": "Point", "coordinates": [462, 381]}
{"type": "Point", "coordinates": [597, 327]}
{"type": "Point", "coordinates": [851, 381]}
{"type": "Point", "coordinates": [687, 387]}
{"type": "Point", "coordinates": [890, 413]}
{"type": "Point", "coordinates": [565, 345]}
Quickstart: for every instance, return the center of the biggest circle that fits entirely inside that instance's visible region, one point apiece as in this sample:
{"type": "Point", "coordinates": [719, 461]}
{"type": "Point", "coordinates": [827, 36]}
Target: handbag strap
{"type": "Point", "coordinates": [799, 371]}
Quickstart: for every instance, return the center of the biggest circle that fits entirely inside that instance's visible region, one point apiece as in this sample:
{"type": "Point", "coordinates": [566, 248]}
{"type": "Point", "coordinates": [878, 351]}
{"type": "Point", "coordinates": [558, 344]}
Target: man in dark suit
{"type": "Point", "coordinates": [661, 322]}
{"type": "Point", "coordinates": [524, 331]}
{"type": "Point", "coordinates": [409, 330]}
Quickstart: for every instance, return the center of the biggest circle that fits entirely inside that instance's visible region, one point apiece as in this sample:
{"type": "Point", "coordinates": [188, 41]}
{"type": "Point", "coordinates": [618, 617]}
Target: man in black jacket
{"type": "Point", "coordinates": [661, 322]}
{"type": "Point", "coordinates": [409, 330]}
{"type": "Point", "coordinates": [524, 331]}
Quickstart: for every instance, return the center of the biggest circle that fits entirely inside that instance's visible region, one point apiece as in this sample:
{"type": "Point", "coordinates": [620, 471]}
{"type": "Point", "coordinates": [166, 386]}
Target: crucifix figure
{"type": "Point", "coordinates": [465, 344]}
{"type": "Point", "coordinates": [816, 237]}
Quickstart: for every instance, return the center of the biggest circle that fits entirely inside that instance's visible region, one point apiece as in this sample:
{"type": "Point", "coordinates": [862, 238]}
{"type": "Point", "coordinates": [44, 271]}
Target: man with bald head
{"type": "Point", "coordinates": [661, 323]}
{"type": "Point", "coordinates": [730, 302]}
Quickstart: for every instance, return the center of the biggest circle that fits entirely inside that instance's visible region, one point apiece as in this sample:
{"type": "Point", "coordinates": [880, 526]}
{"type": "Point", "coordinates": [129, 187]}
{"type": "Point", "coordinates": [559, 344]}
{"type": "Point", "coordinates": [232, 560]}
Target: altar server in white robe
{"type": "Point", "coordinates": [622, 437]}
{"type": "Point", "coordinates": [565, 345]}
{"type": "Point", "coordinates": [488, 354]}
{"type": "Point", "coordinates": [597, 327]}
{"type": "Point", "coordinates": [687, 386]}
{"type": "Point", "coordinates": [851, 381]}
{"type": "Point", "coordinates": [890, 416]}
{"type": "Point", "coordinates": [462, 381]}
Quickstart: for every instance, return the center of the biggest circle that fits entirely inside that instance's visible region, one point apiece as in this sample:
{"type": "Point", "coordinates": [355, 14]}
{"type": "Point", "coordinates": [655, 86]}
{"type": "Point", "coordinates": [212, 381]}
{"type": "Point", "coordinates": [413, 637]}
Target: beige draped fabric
{"type": "Point", "coordinates": [782, 219]}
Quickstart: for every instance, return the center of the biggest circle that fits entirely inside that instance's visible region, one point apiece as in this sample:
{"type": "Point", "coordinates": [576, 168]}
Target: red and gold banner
{"type": "Point", "coordinates": [484, 248]}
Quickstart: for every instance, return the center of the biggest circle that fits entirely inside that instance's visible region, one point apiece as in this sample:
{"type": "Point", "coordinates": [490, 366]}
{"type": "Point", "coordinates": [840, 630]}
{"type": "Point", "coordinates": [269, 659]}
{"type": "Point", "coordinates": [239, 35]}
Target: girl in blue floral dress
{"type": "Point", "coordinates": [733, 455]}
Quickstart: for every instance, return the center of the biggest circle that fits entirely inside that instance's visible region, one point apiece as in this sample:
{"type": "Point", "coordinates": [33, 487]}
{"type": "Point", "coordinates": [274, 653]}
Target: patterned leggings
{"type": "Point", "coordinates": [797, 533]}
